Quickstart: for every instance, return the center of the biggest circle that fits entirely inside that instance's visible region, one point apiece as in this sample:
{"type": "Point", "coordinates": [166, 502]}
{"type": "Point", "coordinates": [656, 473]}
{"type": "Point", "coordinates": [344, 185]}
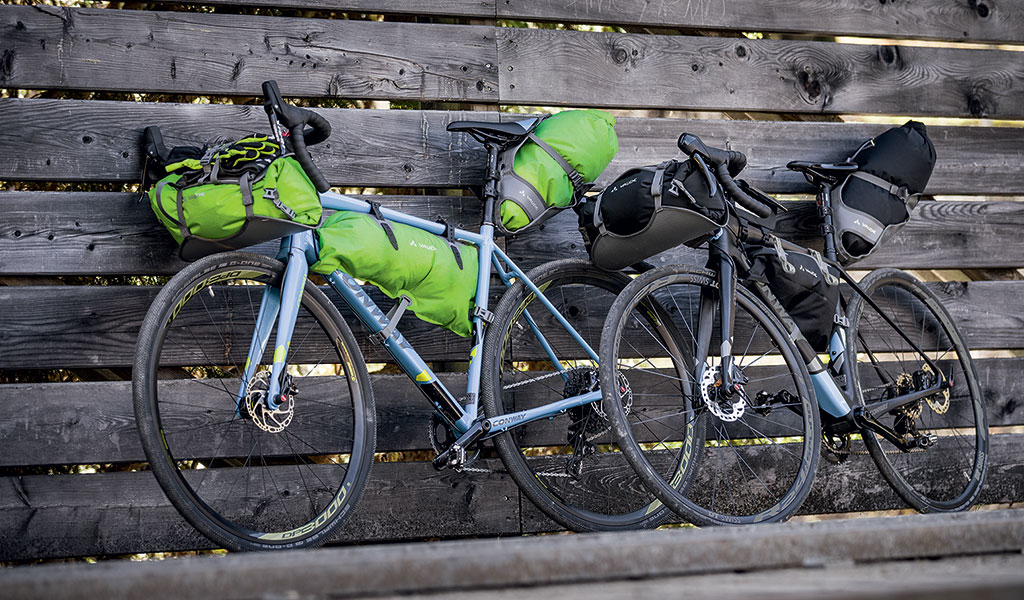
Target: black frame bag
{"type": "Point", "coordinates": [873, 203]}
{"type": "Point", "coordinates": [805, 287]}
{"type": "Point", "coordinates": [649, 210]}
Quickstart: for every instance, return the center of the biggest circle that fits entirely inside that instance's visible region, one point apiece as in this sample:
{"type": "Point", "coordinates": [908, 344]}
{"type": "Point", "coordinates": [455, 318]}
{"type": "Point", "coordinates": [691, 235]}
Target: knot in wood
{"type": "Point", "coordinates": [890, 55]}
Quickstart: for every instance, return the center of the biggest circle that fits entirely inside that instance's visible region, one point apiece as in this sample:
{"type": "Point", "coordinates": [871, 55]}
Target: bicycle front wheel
{"type": "Point", "coordinates": [946, 470]}
{"type": "Point", "coordinates": [714, 458]}
{"type": "Point", "coordinates": [568, 465]}
{"type": "Point", "coordinates": [248, 478]}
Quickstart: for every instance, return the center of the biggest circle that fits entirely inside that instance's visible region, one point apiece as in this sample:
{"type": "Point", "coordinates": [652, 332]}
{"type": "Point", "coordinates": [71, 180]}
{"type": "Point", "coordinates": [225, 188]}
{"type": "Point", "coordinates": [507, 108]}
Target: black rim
{"type": "Point", "coordinates": [296, 482]}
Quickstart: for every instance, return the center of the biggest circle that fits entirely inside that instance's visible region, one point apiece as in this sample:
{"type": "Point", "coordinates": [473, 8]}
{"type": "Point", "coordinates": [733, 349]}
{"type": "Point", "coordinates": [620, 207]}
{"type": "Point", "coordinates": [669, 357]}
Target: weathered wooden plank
{"type": "Point", "coordinates": [101, 233]}
{"type": "Point", "coordinates": [103, 323]}
{"type": "Point", "coordinates": [118, 513]}
{"type": "Point", "coordinates": [86, 423]}
{"type": "Point", "coordinates": [68, 327]}
{"type": "Point", "coordinates": [99, 141]}
{"type": "Point", "coordinates": [1000, 21]}
{"type": "Point", "coordinates": [543, 67]}
{"type": "Point", "coordinates": [459, 8]}
{"type": "Point", "coordinates": [121, 513]}
{"type": "Point", "coordinates": [856, 485]}
{"type": "Point", "coordinates": [994, 21]}
{"type": "Point", "coordinates": [112, 233]}
{"type": "Point", "coordinates": [201, 53]}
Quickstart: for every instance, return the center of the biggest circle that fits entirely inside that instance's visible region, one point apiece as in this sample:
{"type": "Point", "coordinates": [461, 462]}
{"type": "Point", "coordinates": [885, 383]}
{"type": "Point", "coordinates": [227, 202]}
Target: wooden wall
{"type": "Point", "coordinates": [83, 82]}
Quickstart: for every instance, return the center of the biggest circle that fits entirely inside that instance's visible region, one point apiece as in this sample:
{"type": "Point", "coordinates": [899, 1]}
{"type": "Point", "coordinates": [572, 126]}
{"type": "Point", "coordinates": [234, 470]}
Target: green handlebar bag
{"type": "Point", "coordinates": [438, 275]}
{"type": "Point", "coordinates": [237, 195]}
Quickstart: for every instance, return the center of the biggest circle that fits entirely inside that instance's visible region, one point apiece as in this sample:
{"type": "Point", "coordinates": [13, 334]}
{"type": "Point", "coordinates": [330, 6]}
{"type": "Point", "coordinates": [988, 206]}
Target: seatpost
{"type": "Point", "coordinates": [491, 183]}
{"type": "Point", "coordinates": [828, 228]}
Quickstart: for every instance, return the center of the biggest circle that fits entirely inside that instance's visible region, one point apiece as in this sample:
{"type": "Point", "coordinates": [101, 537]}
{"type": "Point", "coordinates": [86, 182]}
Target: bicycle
{"type": "Point", "coordinates": [253, 464]}
{"type": "Point", "coordinates": [747, 422]}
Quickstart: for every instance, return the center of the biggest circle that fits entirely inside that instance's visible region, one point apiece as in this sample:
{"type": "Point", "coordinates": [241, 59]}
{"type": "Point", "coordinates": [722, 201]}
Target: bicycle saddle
{"type": "Point", "coordinates": [501, 133]}
{"type": "Point", "coordinates": [822, 172]}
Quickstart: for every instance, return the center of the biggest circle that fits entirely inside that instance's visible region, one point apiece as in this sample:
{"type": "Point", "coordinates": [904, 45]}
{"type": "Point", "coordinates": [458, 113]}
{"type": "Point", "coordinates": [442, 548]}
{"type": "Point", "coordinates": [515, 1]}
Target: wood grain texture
{"type": "Point", "coordinates": [200, 53]}
{"type": "Point", "coordinates": [86, 423]}
{"type": "Point", "coordinates": [69, 327]}
{"type": "Point", "coordinates": [994, 21]}
{"type": "Point", "coordinates": [100, 233]}
{"type": "Point", "coordinates": [940, 235]}
{"type": "Point", "coordinates": [100, 141]}
{"type": "Point", "coordinates": [119, 513]}
{"type": "Point", "coordinates": [543, 67]}
{"type": "Point", "coordinates": [461, 8]}
{"type": "Point", "coordinates": [113, 233]}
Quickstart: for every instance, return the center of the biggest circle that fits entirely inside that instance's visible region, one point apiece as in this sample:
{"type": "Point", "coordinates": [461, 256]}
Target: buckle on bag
{"type": "Point", "coordinates": [830, 279]}
{"type": "Point", "coordinates": [394, 315]}
{"type": "Point", "coordinates": [781, 253]}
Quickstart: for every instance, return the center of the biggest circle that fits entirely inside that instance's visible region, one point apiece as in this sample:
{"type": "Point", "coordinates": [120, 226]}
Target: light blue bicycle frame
{"type": "Point", "coordinates": [280, 306]}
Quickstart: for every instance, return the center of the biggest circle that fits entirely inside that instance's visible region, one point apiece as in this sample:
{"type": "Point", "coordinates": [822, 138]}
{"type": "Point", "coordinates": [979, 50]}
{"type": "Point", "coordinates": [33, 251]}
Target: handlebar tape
{"type": "Point", "coordinates": [295, 120]}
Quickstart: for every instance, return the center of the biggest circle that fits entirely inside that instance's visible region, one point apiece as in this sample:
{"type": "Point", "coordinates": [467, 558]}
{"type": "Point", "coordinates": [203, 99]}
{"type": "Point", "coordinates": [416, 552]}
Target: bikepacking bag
{"type": "Point", "coordinates": [805, 286]}
{"type": "Point", "coordinates": [233, 195]}
{"type": "Point", "coordinates": [649, 210]}
{"type": "Point", "coordinates": [437, 274]}
{"type": "Point", "coordinates": [873, 203]}
{"type": "Point", "coordinates": [550, 170]}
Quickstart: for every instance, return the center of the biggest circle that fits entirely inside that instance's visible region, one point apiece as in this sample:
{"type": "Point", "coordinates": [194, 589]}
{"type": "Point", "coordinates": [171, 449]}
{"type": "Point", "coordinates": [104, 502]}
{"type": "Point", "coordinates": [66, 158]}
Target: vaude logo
{"type": "Point", "coordinates": [618, 187]}
{"type": "Point", "coordinates": [424, 246]}
{"type": "Point", "coordinates": [804, 269]}
{"type": "Point", "coordinates": [865, 226]}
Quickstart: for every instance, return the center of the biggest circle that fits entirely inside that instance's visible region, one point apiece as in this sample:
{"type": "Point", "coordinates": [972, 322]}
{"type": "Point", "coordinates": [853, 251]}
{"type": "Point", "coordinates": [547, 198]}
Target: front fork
{"type": "Point", "coordinates": [280, 304]}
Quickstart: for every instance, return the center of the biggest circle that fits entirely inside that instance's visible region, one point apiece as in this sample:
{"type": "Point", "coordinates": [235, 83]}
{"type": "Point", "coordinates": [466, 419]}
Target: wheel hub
{"type": "Point", "coordinates": [270, 420]}
{"type": "Point", "coordinates": [725, 407]}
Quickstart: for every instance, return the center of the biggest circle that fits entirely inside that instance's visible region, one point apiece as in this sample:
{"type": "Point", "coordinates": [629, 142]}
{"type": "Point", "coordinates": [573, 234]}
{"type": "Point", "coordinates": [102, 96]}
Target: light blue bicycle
{"type": "Point", "coordinates": [266, 445]}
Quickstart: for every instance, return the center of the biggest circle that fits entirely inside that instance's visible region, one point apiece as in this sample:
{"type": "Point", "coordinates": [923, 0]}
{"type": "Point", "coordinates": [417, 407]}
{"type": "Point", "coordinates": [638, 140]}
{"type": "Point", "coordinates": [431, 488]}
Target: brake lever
{"type": "Point", "coordinates": [712, 182]}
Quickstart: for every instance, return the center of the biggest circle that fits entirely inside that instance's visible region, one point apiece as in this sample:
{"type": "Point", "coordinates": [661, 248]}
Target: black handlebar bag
{"type": "Point", "coordinates": [649, 210]}
{"type": "Point", "coordinates": [873, 203]}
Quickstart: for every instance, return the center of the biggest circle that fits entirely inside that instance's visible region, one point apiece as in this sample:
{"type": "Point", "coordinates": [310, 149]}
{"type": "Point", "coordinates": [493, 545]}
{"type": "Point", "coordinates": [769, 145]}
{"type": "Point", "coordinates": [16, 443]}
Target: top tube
{"type": "Point", "coordinates": [335, 201]}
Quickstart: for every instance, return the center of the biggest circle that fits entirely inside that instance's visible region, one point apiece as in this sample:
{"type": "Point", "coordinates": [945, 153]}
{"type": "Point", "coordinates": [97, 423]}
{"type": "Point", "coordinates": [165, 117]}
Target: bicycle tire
{"type": "Point", "coordinates": [948, 475]}
{"type": "Point", "coordinates": [746, 461]}
{"type": "Point", "coordinates": [228, 470]}
{"type": "Point", "coordinates": [515, 375]}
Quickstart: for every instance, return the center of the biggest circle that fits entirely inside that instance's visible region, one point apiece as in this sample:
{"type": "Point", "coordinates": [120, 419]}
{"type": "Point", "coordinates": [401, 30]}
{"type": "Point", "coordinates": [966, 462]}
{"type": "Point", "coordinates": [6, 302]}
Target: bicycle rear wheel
{"type": "Point", "coordinates": [246, 479]}
{"type": "Point", "coordinates": [568, 466]}
{"type": "Point", "coordinates": [947, 472]}
{"type": "Point", "coordinates": [713, 458]}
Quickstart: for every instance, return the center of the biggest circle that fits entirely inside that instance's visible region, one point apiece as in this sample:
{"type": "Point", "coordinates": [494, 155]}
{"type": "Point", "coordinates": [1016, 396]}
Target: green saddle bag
{"type": "Point", "coordinates": [439, 276]}
{"type": "Point", "coordinates": [234, 195]}
{"type": "Point", "coordinates": [554, 166]}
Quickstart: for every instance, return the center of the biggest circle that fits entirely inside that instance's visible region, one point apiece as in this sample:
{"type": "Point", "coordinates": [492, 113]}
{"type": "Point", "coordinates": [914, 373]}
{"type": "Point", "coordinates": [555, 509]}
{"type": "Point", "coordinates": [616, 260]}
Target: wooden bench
{"type": "Point", "coordinates": [76, 243]}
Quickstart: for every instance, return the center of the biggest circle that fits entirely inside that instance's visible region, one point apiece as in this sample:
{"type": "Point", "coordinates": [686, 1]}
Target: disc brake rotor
{"type": "Point", "coordinates": [267, 419]}
{"type": "Point", "coordinates": [723, 407]}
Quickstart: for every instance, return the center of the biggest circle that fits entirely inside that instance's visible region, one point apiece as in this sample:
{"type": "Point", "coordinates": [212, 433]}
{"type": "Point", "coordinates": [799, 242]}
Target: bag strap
{"type": "Point", "coordinates": [185, 233]}
{"type": "Point", "coordinates": [449, 237]}
{"type": "Point", "coordinates": [577, 181]}
{"type": "Point", "coordinates": [379, 218]}
{"type": "Point", "coordinates": [899, 191]}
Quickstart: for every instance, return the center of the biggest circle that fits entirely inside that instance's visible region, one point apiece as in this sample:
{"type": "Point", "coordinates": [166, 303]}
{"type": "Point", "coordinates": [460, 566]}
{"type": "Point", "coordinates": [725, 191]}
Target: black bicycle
{"type": "Point", "coordinates": [888, 374]}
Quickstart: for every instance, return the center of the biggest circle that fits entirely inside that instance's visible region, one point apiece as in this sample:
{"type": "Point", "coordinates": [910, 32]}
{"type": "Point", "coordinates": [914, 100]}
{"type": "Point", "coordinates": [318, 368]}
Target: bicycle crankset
{"type": "Point", "coordinates": [442, 437]}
